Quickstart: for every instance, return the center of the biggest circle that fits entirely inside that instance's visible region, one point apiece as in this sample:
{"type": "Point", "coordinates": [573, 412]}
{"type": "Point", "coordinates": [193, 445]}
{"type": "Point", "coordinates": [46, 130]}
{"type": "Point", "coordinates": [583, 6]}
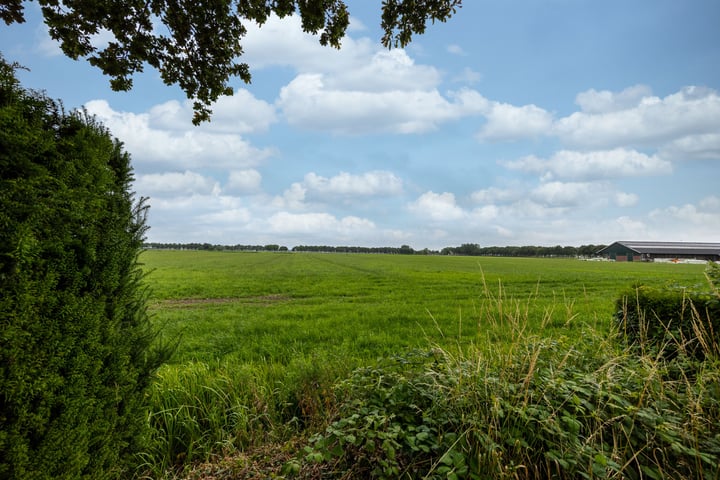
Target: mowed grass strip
{"type": "Point", "coordinates": [269, 307]}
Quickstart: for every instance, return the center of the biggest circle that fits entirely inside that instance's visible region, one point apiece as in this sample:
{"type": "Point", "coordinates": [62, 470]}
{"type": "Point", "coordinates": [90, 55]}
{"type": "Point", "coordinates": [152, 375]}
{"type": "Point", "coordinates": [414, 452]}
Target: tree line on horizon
{"type": "Point", "coordinates": [469, 249]}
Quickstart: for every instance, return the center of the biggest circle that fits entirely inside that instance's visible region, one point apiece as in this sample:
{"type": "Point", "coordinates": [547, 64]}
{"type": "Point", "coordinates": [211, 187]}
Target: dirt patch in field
{"type": "Point", "coordinates": [260, 300]}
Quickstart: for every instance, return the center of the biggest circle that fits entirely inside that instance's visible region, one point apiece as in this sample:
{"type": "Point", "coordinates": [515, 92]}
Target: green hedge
{"type": "Point", "coordinates": [673, 319]}
{"type": "Point", "coordinates": [75, 338]}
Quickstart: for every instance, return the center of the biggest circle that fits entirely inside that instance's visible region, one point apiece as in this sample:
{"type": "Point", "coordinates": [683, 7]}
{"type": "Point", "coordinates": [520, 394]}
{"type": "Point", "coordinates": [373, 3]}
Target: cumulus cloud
{"type": "Point", "coordinates": [184, 149]}
{"type": "Point", "coordinates": [360, 89]}
{"type": "Point", "coordinates": [604, 101]}
{"type": "Point", "coordinates": [497, 195]}
{"type": "Point", "coordinates": [693, 147]}
{"type": "Point", "coordinates": [561, 194]}
{"type": "Point", "coordinates": [437, 206]}
{"type": "Point", "coordinates": [315, 189]}
{"type": "Point", "coordinates": [292, 198]}
{"type": "Point", "coordinates": [240, 113]}
{"type": "Point", "coordinates": [385, 71]}
{"type": "Point", "coordinates": [629, 228]}
{"type": "Point", "coordinates": [309, 102]}
{"type": "Point", "coordinates": [375, 183]}
{"type": "Point", "coordinates": [281, 42]}
{"type": "Point", "coordinates": [235, 217]}
{"type": "Point", "coordinates": [175, 183]}
{"type": "Point", "coordinates": [507, 122]}
{"type": "Point", "coordinates": [593, 165]}
{"type": "Point", "coordinates": [684, 123]}
{"type": "Point", "coordinates": [636, 118]}
{"type": "Point", "coordinates": [706, 212]}
{"type": "Point", "coordinates": [315, 223]}
{"type": "Point", "coordinates": [243, 181]}
{"type": "Point", "coordinates": [624, 199]}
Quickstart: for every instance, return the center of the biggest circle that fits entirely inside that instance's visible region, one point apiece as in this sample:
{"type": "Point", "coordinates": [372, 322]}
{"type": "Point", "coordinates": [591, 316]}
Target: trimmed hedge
{"type": "Point", "coordinates": [75, 338]}
{"type": "Point", "coordinates": [674, 319]}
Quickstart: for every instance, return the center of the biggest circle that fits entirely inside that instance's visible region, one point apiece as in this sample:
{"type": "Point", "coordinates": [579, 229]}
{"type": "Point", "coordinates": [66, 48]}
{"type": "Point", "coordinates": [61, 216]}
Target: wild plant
{"type": "Point", "coordinates": [541, 408]}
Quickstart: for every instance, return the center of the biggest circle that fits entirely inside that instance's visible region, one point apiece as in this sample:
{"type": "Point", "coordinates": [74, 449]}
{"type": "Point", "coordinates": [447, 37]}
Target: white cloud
{"type": "Point", "coordinates": [683, 124]}
{"type": "Point", "coordinates": [630, 228]}
{"type": "Point", "coordinates": [485, 213]}
{"type": "Point", "coordinates": [360, 89]}
{"type": "Point", "coordinates": [308, 103]}
{"type": "Point", "coordinates": [240, 113]}
{"type": "Point", "coordinates": [601, 164]}
{"type": "Point", "coordinates": [322, 224]}
{"type": "Point", "coordinates": [623, 199]}
{"type": "Point", "coordinates": [375, 183]}
{"type": "Point", "coordinates": [191, 148]}
{"type": "Point", "coordinates": [497, 195]}
{"type": "Point", "coordinates": [562, 194]}
{"type": "Point", "coordinates": [385, 71]}
{"type": "Point", "coordinates": [507, 122]}
{"type": "Point", "coordinates": [694, 147]}
{"type": "Point", "coordinates": [293, 198]}
{"type": "Point", "coordinates": [611, 120]}
{"type": "Point", "coordinates": [235, 217]}
{"type": "Point", "coordinates": [282, 42]}
{"type": "Point", "coordinates": [437, 206]}
{"type": "Point", "coordinates": [243, 181]}
{"type": "Point", "coordinates": [175, 183]}
{"type": "Point", "coordinates": [706, 212]}
{"type": "Point", "coordinates": [593, 101]}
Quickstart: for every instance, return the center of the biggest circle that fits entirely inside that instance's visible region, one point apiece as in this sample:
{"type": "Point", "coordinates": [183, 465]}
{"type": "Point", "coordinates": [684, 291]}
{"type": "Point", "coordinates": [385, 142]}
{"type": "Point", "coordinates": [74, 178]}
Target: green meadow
{"type": "Point", "coordinates": [263, 338]}
{"type": "Point", "coordinates": [272, 307]}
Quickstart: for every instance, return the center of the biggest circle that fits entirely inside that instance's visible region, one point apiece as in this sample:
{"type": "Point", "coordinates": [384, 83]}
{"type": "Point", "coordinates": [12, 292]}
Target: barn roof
{"type": "Point", "coordinates": [680, 248]}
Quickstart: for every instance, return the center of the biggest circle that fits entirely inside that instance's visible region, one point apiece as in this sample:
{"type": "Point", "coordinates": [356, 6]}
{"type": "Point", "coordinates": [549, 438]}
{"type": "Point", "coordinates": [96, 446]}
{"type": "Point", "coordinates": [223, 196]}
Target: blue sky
{"type": "Point", "coordinates": [518, 122]}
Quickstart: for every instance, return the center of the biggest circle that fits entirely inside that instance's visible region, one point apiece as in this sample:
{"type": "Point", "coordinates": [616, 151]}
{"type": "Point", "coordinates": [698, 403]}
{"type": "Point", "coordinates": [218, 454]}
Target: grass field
{"type": "Point", "coordinates": [270, 307]}
{"type": "Point", "coordinates": [263, 337]}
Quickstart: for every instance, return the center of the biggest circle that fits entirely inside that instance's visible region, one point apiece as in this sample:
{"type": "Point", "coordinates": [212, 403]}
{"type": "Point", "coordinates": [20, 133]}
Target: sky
{"type": "Point", "coordinates": [517, 122]}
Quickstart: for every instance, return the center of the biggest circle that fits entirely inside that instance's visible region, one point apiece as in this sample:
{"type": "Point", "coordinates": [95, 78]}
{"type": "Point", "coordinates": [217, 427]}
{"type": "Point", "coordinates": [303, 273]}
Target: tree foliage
{"type": "Point", "coordinates": [76, 348]}
{"type": "Point", "coordinates": [196, 44]}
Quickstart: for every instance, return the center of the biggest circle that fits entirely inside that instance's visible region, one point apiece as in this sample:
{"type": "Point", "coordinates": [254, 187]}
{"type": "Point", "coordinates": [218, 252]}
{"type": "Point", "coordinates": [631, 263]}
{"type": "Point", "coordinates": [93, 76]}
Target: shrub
{"type": "Point", "coordinates": [546, 411]}
{"type": "Point", "coordinates": [672, 320]}
{"type": "Point", "coordinates": [75, 338]}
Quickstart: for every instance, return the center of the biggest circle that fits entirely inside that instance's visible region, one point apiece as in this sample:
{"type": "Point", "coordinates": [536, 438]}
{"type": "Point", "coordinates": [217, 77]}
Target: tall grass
{"type": "Point", "coordinates": [200, 410]}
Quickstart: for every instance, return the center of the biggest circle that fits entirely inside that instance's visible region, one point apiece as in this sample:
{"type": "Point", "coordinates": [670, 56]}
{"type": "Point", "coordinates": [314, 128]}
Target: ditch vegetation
{"type": "Point", "coordinates": [532, 386]}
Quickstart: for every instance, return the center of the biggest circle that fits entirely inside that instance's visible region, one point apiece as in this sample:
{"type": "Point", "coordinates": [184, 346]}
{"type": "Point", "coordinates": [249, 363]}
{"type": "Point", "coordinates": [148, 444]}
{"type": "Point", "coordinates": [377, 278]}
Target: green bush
{"type": "Point", "coordinates": [544, 411]}
{"type": "Point", "coordinates": [75, 338]}
{"type": "Point", "coordinates": [672, 320]}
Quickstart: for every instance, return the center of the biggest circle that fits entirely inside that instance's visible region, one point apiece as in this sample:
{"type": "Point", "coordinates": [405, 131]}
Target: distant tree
{"type": "Point", "coordinates": [200, 41]}
{"type": "Point", "coordinates": [468, 249]}
{"type": "Point", "coordinates": [406, 250]}
{"type": "Point", "coordinates": [76, 345]}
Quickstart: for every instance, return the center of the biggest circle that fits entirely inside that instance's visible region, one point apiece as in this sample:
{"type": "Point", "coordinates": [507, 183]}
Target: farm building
{"type": "Point", "coordinates": [667, 251]}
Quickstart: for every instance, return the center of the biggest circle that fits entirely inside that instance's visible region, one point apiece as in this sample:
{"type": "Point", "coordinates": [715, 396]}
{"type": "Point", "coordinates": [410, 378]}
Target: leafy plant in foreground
{"type": "Point", "coordinates": [672, 319]}
{"type": "Point", "coordinates": [538, 409]}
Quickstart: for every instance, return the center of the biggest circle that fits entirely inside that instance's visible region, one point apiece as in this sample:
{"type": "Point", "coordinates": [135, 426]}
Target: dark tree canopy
{"type": "Point", "coordinates": [199, 44]}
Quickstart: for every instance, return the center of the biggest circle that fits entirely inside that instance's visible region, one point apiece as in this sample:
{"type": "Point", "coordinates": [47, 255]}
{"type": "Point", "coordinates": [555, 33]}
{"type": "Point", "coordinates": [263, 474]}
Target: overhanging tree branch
{"type": "Point", "coordinates": [197, 44]}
